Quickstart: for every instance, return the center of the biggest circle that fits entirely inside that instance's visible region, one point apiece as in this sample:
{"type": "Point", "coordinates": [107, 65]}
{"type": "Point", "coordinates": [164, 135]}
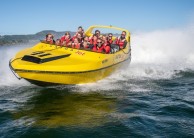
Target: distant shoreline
{"type": "Point", "coordinates": [20, 43]}
{"type": "Point", "coordinates": [22, 39]}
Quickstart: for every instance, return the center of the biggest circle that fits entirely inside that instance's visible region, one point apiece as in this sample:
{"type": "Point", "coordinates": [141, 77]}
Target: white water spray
{"type": "Point", "coordinates": [160, 53]}
{"type": "Point", "coordinates": [6, 76]}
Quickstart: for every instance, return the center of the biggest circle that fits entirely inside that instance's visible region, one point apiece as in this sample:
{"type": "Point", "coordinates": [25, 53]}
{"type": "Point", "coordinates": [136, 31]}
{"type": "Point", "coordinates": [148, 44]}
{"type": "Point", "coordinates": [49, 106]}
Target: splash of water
{"type": "Point", "coordinates": [6, 76]}
{"type": "Point", "coordinates": [160, 53]}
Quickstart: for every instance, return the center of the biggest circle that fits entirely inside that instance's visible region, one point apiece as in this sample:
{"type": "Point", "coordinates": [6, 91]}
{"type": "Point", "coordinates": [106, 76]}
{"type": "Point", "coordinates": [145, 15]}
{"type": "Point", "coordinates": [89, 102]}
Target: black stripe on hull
{"type": "Point", "coordinates": [43, 83]}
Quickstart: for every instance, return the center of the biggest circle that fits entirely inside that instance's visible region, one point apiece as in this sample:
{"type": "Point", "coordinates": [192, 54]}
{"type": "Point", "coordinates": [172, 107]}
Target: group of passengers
{"type": "Point", "coordinates": [96, 42]}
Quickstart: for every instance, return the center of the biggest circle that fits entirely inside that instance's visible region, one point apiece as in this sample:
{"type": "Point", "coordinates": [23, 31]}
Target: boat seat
{"type": "Point", "coordinates": [114, 48]}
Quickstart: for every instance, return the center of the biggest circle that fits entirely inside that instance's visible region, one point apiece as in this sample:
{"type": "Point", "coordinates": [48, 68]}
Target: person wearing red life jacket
{"type": "Point", "coordinates": [50, 39]}
{"type": "Point", "coordinates": [85, 44]}
{"type": "Point", "coordinates": [105, 44]}
{"type": "Point", "coordinates": [97, 34]}
{"type": "Point", "coordinates": [63, 38]}
{"type": "Point", "coordinates": [58, 42]}
{"type": "Point", "coordinates": [93, 40]}
{"type": "Point", "coordinates": [76, 44]}
{"type": "Point", "coordinates": [98, 47]}
{"type": "Point", "coordinates": [79, 36]}
{"type": "Point", "coordinates": [121, 40]}
{"type": "Point", "coordinates": [66, 39]}
{"type": "Point", "coordinates": [110, 41]}
{"type": "Point", "coordinates": [80, 30]}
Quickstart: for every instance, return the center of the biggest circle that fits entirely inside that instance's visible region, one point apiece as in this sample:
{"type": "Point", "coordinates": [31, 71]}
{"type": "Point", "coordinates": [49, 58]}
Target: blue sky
{"type": "Point", "coordinates": [29, 17]}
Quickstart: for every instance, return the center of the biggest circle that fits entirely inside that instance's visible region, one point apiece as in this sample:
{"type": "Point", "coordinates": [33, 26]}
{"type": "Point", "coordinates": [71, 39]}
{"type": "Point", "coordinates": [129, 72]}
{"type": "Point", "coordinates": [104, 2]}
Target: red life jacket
{"type": "Point", "coordinates": [73, 38]}
{"type": "Point", "coordinates": [63, 38]}
{"type": "Point", "coordinates": [106, 47]}
{"type": "Point", "coordinates": [94, 42]}
{"type": "Point", "coordinates": [110, 41]}
{"type": "Point", "coordinates": [98, 49]}
{"type": "Point", "coordinates": [77, 45]}
{"type": "Point", "coordinates": [67, 40]}
{"type": "Point", "coordinates": [120, 42]}
{"type": "Point", "coordinates": [50, 42]}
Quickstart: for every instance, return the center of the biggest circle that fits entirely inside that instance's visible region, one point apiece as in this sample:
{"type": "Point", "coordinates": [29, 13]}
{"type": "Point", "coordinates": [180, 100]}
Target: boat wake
{"type": "Point", "coordinates": [155, 55]}
{"type": "Point", "coordinates": [160, 54]}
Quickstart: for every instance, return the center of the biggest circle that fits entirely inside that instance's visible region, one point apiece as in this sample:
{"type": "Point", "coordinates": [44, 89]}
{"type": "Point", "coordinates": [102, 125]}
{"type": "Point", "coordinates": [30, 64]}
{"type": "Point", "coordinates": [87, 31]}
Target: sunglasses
{"type": "Point", "coordinates": [99, 42]}
{"type": "Point", "coordinates": [110, 36]}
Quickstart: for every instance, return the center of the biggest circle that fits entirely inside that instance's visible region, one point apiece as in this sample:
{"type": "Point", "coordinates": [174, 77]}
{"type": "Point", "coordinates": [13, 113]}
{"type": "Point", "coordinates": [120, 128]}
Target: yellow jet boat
{"type": "Point", "coordinates": [48, 64]}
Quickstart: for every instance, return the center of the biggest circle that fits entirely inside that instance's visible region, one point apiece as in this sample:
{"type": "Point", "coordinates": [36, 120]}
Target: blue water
{"type": "Point", "coordinates": [153, 97]}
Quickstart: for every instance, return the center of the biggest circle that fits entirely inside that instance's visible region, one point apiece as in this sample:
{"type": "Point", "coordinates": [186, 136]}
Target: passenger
{"type": "Point", "coordinates": [66, 39]}
{"type": "Point", "coordinates": [79, 36]}
{"type": "Point", "coordinates": [106, 44]}
{"type": "Point", "coordinates": [58, 42]}
{"type": "Point", "coordinates": [85, 44]}
{"type": "Point", "coordinates": [93, 41]}
{"type": "Point", "coordinates": [121, 40]}
{"type": "Point", "coordinates": [80, 30]}
{"type": "Point", "coordinates": [97, 34]}
{"type": "Point", "coordinates": [104, 39]}
{"type": "Point", "coordinates": [110, 41]}
{"type": "Point", "coordinates": [75, 44]}
{"type": "Point", "coordinates": [50, 39]}
{"type": "Point", "coordinates": [98, 47]}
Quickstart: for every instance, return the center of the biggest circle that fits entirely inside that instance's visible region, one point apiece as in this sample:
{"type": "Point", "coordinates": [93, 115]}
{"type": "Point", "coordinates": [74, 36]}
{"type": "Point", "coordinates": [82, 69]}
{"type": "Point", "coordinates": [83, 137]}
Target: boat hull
{"type": "Point", "coordinates": [46, 78]}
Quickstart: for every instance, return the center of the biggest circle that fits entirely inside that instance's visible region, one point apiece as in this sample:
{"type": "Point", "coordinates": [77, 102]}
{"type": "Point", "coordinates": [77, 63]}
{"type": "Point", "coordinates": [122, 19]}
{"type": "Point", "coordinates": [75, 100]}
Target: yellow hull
{"type": "Point", "coordinates": [49, 78]}
{"type": "Point", "coordinates": [51, 64]}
